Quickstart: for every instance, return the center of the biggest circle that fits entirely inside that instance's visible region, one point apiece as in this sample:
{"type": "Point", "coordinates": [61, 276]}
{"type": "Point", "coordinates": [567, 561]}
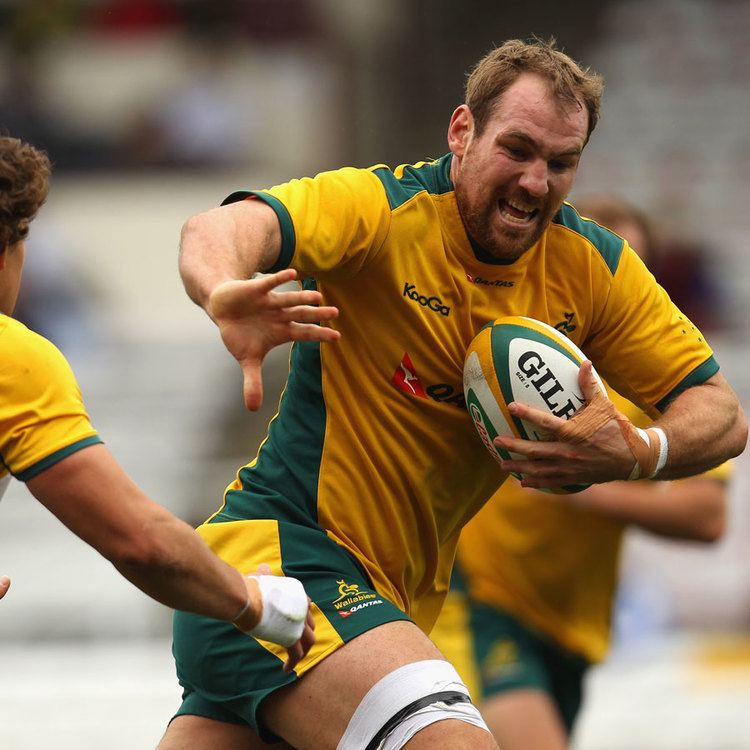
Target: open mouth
{"type": "Point", "coordinates": [516, 212]}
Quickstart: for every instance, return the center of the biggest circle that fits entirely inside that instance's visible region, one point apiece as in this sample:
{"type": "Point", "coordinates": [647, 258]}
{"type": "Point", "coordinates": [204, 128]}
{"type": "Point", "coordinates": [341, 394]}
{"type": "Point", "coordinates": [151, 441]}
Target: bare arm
{"type": "Point", "coordinates": [219, 251]}
{"type": "Point", "coordinates": [227, 243]}
{"type": "Point", "coordinates": [705, 426]}
{"type": "Point", "coordinates": [692, 509]}
{"type": "Point", "coordinates": [163, 556]}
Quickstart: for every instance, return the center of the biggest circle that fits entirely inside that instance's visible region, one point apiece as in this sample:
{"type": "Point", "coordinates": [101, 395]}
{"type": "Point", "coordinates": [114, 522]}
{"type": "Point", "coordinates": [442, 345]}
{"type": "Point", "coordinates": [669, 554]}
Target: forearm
{"type": "Point", "coordinates": [705, 426]}
{"type": "Point", "coordinates": [227, 243]}
{"type": "Point", "coordinates": [159, 553]}
{"type": "Point", "coordinates": [171, 563]}
{"type": "Point", "coordinates": [691, 509]}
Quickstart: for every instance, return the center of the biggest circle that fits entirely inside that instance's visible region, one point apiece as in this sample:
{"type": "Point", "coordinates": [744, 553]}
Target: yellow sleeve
{"type": "Point", "coordinates": [333, 222]}
{"type": "Point", "coordinates": [42, 415]}
{"type": "Point", "coordinates": [647, 349]}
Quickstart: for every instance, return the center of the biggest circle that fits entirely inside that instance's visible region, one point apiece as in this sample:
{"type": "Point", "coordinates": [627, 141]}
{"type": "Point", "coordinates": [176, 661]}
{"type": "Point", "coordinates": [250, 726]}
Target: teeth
{"type": "Point", "coordinates": [521, 207]}
{"type": "Point", "coordinates": [511, 210]}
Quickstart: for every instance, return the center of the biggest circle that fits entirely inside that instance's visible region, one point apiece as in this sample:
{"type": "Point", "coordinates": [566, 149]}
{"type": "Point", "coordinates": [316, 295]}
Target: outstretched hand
{"type": "Point", "coordinates": [253, 318]}
{"type": "Point", "coordinates": [586, 449]}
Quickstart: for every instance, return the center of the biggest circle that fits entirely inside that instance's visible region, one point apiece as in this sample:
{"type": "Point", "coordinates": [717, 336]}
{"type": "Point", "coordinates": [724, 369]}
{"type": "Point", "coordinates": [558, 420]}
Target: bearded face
{"type": "Point", "coordinates": [511, 179]}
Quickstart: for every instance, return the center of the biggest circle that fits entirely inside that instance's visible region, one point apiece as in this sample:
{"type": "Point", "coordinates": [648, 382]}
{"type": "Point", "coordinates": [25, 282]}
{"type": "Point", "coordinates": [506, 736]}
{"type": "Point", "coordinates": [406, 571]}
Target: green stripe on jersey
{"type": "Point", "coordinates": [699, 375]}
{"type": "Point", "coordinates": [56, 457]}
{"type": "Point", "coordinates": [607, 243]}
{"type": "Point", "coordinates": [283, 481]}
{"type": "Point", "coordinates": [431, 177]}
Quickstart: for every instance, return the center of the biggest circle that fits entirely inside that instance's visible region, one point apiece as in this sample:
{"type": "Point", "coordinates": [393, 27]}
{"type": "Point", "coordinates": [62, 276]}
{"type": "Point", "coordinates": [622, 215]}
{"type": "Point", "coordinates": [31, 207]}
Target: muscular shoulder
{"type": "Point", "coordinates": [584, 236]}
{"type": "Point", "coordinates": [42, 415]}
{"type": "Point", "coordinates": [28, 359]}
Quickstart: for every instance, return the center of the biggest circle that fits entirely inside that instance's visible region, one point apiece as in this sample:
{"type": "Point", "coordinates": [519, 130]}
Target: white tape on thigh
{"type": "Point", "coordinates": [401, 734]}
{"type": "Point", "coordinates": [400, 689]}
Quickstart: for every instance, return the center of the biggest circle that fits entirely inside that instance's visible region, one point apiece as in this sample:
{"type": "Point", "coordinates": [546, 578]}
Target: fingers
{"type": "Point", "coordinates": [4, 585]}
{"type": "Point", "coordinates": [546, 423]}
{"type": "Point", "coordinates": [263, 570]}
{"type": "Point", "coordinates": [267, 282]}
{"type": "Point", "coordinates": [295, 297]}
{"type": "Point", "coordinates": [310, 313]}
{"type": "Point", "coordinates": [299, 650]}
{"type": "Point", "coordinates": [312, 332]}
{"type": "Point", "coordinates": [587, 381]}
{"type": "Point", "coordinates": [534, 450]}
{"type": "Point", "coordinates": [252, 385]}
{"type": "Point", "coordinates": [543, 473]}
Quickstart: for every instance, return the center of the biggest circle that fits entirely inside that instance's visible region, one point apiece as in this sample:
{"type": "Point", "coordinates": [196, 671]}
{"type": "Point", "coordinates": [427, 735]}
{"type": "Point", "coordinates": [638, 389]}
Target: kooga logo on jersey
{"type": "Point", "coordinates": [431, 303]}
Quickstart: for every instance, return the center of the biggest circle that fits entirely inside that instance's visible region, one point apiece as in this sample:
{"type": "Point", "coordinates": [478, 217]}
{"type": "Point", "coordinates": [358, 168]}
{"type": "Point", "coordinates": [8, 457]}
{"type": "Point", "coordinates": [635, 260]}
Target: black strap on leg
{"type": "Point", "coordinates": [449, 697]}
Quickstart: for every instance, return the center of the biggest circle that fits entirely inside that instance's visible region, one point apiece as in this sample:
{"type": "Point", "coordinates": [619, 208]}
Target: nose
{"type": "Point", "coordinates": [534, 178]}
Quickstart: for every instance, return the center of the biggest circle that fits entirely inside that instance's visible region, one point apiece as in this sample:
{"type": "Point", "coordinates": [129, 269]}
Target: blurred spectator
{"type": "Point", "coordinates": [56, 300]}
{"type": "Point", "coordinates": [681, 267]}
{"type": "Point", "coordinates": [200, 123]}
{"type": "Point", "coordinates": [25, 112]}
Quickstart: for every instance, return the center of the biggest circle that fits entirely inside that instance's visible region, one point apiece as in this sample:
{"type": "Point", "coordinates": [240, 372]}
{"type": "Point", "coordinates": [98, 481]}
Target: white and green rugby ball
{"type": "Point", "coordinates": [521, 359]}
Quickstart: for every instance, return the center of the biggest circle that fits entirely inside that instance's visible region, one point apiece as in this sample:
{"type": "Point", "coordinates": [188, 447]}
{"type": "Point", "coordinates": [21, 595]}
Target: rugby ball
{"type": "Point", "coordinates": [521, 359]}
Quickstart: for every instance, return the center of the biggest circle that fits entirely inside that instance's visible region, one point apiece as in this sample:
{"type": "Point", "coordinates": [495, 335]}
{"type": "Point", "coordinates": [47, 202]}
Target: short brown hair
{"type": "Point", "coordinates": [24, 184]}
{"type": "Point", "coordinates": [500, 68]}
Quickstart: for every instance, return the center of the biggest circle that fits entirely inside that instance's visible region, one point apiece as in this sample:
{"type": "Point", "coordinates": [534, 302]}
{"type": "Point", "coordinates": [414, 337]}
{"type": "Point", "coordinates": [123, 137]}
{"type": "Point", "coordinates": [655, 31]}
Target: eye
{"type": "Point", "coordinates": [516, 152]}
{"type": "Point", "coordinates": [561, 166]}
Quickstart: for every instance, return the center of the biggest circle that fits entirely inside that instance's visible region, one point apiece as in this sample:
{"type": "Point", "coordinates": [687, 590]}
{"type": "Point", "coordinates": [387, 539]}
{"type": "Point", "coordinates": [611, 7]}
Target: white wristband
{"type": "Point", "coordinates": [663, 451]}
{"type": "Point", "coordinates": [284, 611]}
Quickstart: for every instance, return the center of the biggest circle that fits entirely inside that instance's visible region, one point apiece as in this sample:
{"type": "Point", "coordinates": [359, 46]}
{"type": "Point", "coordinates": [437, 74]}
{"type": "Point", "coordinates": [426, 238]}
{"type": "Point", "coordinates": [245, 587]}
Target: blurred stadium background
{"type": "Point", "coordinates": [155, 109]}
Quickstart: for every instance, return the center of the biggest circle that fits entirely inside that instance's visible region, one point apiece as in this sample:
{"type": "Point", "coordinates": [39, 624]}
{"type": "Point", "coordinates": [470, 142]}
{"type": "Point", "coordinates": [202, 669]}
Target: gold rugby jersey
{"type": "Point", "coordinates": [42, 415]}
{"type": "Point", "coordinates": [372, 440]}
{"type": "Point", "coordinates": [548, 563]}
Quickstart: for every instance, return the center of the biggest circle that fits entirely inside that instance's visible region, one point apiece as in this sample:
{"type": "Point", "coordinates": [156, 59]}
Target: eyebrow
{"type": "Point", "coordinates": [521, 136]}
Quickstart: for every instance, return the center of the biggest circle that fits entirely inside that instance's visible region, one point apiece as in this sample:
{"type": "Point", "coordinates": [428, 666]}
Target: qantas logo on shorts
{"type": "Point", "coordinates": [348, 612]}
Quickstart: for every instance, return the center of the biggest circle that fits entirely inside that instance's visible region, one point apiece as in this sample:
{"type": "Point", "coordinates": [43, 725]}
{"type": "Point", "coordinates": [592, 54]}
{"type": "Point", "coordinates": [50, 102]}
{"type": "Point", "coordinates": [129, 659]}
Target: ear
{"type": "Point", "coordinates": [460, 130]}
{"type": "Point", "coordinates": [3, 255]}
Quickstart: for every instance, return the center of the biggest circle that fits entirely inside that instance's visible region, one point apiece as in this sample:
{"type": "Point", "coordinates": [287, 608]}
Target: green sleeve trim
{"type": "Point", "coordinates": [607, 243]}
{"type": "Point", "coordinates": [699, 375]}
{"type": "Point", "coordinates": [288, 237]}
{"type": "Point", "coordinates": [56, 457]}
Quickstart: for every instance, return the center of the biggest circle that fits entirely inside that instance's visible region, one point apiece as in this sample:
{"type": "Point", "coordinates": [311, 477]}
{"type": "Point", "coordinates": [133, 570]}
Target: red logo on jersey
{"type": "Point", "coordinates": [406, 379]}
